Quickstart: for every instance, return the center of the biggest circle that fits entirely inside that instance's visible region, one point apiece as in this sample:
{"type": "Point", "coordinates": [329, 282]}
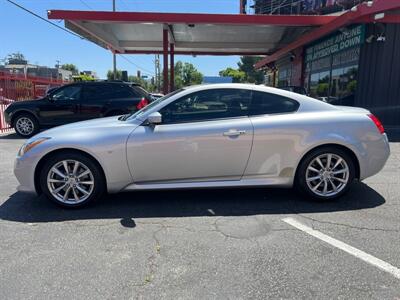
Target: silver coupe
{"type": "Point", "coordinates": [224, 135]}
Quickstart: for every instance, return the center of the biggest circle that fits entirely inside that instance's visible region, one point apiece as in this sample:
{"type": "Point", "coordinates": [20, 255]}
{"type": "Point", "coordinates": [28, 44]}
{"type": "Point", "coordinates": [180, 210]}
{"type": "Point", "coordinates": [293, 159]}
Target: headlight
{"type": "Point", "coordinates": [28, 146]}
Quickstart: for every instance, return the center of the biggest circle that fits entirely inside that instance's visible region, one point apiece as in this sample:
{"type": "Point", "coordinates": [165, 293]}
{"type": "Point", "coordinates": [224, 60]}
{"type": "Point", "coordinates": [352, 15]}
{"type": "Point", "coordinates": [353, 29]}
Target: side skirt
{"type": "Point", "coordinates": [273, 182]}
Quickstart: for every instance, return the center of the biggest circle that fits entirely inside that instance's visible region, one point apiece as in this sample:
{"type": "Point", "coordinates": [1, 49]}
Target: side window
{"type": "Point", "coordinates": [207, 105]}
{"type": "Point", "coordinates": [94, 92]}
{"type": "Point", "coordinates": [266, 103]}
{"type": "Point", "coordinates": [69, 93]}
{"type": "Point", "coordinates": [107, 91]}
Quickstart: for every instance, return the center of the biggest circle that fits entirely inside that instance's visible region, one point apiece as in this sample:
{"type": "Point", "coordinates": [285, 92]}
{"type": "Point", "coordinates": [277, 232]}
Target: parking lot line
{"type": "Point", "coordinates": [345, 247]}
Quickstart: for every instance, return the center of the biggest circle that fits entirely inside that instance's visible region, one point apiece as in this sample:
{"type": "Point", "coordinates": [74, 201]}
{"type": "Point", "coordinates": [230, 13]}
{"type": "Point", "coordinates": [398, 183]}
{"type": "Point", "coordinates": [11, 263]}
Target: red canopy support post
{"type": "Point", "coordinates": [165, 61]}
{"type": "Point", "coordinates": [172, 68]}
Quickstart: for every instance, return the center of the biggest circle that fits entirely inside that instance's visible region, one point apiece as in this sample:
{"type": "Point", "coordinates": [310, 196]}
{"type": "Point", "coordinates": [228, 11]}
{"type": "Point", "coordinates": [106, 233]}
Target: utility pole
{"type": "Point", "coordinates": [114, 56]}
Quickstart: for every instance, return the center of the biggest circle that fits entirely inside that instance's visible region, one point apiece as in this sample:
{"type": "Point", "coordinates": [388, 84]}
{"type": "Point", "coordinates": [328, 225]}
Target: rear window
{"type": "Point", "coordinates": [267, 103]}
{"type": "Point", "coordinates": [141, 92]}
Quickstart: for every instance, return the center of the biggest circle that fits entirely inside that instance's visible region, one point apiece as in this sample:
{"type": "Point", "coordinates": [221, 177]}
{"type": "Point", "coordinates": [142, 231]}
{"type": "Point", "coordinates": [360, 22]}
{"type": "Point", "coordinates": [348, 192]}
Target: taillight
{"type": "Point", "coordinates": [142, 103]}
{"type": "Point", "coordinates": [377, 123]}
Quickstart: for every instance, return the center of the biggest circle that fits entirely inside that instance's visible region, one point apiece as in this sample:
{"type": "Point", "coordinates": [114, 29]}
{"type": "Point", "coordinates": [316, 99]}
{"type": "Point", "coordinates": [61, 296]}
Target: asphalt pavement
{"type": "Point", "coordinates": [202, 244]}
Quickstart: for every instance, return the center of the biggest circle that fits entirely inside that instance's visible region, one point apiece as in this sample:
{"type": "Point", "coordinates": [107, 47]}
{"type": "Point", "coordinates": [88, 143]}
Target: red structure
{"type": "Point", "coordinates": [19, 88]}
{"type": "Point", "coordinates": [187, 34]}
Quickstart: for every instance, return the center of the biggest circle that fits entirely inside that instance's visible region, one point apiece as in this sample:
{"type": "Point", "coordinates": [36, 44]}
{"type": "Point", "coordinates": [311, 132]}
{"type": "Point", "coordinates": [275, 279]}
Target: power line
{"type": "Point", "coordinates": [73, 33]}
{"type": "Point", "coordinates": [43, 19]}
{"type": "Point", "coordinates": [131, 62]}
{"type": "Point", "coordinates": [87, 5]}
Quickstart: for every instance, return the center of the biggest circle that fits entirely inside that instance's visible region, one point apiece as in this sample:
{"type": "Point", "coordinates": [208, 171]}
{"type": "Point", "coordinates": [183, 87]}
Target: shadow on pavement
{"type": "Point", "coordinates": [188, 203]}
{"type": "Point", "coordinates": [10, 136]}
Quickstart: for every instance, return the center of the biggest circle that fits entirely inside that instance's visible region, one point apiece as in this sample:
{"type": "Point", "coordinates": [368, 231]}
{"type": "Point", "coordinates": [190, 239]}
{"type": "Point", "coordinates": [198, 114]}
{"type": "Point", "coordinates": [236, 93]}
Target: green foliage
{"type": "Point", "coordinates": [110, 74]}
{"type": "Point", "coordinates": [82, 77]}
{"type": "Point", "coordinates": [186, 74]}
{"type": "Point", "coordinates": [351, 86]}
{"type": "Point", "coordinates": [70, 67]}
{"type": "Point", "coordinates": [237, 75]}
{"type": "Point", "coordinates": [147, 85]}
{"type": "Point", "coordinates": [322, 89]}
{"type": "Point", "coordinates": [246, 71]}
{"type": "Point", "coordinates": [16, 58]}
{"type": "Point", "coordinates": [246, 65]}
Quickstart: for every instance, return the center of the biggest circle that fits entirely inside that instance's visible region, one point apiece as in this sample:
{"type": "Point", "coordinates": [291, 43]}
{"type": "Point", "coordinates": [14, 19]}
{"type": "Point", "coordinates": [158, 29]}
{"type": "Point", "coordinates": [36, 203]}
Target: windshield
{"type": "Point", "coordinates": [151, 105]}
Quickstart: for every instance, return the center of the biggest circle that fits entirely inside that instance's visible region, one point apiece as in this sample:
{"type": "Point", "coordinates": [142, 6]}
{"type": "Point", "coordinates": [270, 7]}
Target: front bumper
{"type": "Point", "coordinates": [24, 171]}
{"type": "Point", "coordinates": [7, 117]}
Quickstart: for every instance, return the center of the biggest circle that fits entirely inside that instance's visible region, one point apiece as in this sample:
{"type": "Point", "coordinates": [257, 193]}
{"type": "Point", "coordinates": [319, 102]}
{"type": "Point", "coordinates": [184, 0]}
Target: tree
{"type": "Point", "coordinates": [110, 75]}
{"type": "Point", "coordinates": [246, 65]}
{"type": "Point", "coordinates": [186, 74]}
{"type": "Point", "coordinates": [237, 76]}
{"type": "Point", "coordinates": [16, 58]}
{"type": "Point", "coordinates": [246, 71]}
{"type": "Point", "coordinates": [70, 67]}
{"type": "Point", "coordinates": [148, 86]}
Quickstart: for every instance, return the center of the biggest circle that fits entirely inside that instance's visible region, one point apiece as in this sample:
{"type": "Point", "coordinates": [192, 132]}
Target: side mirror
{"type": "Point", "coordinates": [154, 118]}
{"type": "Point", "coordinates": [49, 98]}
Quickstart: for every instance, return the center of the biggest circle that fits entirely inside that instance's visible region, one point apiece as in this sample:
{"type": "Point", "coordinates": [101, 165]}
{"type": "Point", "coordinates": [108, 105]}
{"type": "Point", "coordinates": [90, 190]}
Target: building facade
{"type": "Point", "coordinates": [356, 65]}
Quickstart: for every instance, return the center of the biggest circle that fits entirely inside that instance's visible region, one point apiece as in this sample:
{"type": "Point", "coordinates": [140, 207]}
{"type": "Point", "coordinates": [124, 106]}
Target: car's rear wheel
{"type": "Point", "coordinates": [325, 173]}
{"type": "Point", "coordinates": [26, 125]}
{"type": "Point", "coordinates": [72, 180]}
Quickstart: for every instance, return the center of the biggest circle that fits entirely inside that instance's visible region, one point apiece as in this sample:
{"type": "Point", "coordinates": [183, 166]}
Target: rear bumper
{"type": "Point", "coordinates": [376, 154]}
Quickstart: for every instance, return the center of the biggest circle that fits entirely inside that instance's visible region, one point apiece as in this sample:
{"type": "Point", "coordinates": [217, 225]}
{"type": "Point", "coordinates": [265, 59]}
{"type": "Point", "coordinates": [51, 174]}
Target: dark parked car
{"type": "Point", "coordinates": [75, 102]}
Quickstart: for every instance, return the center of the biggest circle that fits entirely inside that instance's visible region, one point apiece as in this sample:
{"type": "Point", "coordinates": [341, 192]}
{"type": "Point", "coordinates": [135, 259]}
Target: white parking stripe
{"type": "Point", "coordinates": [347, 248]}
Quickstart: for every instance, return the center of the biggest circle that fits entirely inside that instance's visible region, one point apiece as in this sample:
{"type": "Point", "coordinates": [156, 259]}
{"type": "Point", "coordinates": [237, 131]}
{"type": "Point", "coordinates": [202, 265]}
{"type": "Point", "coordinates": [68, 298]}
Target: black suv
{"type": "Point", "coordinates": [75, 102]}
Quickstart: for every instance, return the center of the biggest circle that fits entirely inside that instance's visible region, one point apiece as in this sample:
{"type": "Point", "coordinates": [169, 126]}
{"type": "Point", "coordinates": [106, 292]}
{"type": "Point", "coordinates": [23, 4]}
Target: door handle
{"type": "Point", "coordinates": [234, 132]}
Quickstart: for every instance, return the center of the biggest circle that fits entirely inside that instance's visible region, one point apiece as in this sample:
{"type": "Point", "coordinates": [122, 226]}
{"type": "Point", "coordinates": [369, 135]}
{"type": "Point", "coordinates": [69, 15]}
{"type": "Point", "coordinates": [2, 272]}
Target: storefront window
{"type": "Point", "coordinates": [284, 76]}
{"type": "Point", "coordinates": [331, 66]}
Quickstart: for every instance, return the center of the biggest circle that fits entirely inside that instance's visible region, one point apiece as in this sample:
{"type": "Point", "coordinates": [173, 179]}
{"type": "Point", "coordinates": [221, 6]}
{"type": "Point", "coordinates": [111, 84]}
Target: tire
{"type": "Point", "coordinates": [26, 125]}
{"type": "Point", "coordinates": [312, 177]}
{"type": "Point", "coordinates": [75, 189]}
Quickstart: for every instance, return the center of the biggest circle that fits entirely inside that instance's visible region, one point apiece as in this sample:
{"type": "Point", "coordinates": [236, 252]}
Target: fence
{"type": "Point", "coordinates": [15, 87]}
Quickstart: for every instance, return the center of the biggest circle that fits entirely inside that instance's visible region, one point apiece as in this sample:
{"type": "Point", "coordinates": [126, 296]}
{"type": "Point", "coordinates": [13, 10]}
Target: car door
{"type": "Point", "coordinates": [62, 106]}
{"type": "Point", "coordinates": [95, 98]}
{"type": "Point", "coordinates": [277, 135]}
{"type": "Point", "coordinates": [204, 136]}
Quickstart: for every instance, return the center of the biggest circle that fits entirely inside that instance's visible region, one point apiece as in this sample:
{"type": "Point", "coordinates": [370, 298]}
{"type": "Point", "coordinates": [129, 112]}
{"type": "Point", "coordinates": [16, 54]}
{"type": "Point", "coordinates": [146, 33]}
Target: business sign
{"type": "Point", "coordinates": [335, 43]}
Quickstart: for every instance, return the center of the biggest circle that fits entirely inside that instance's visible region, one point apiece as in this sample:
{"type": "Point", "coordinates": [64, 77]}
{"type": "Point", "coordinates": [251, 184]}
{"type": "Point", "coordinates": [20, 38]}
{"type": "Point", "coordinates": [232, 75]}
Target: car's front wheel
{"type": "Point", "coordinates": [72, 179]}
{"type": "Point", "coordinates": [26, 125]}
{"type": "Point", "coordinates": [325, 173]}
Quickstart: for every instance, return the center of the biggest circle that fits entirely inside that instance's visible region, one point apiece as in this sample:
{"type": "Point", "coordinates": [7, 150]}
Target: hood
{"type": "Point", "coordinates": [25, 102]}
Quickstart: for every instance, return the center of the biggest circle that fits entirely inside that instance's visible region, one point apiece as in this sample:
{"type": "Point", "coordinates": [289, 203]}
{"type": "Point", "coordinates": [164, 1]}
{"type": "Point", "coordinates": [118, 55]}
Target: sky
{"type": "Point", "coordinates": [44, 44]}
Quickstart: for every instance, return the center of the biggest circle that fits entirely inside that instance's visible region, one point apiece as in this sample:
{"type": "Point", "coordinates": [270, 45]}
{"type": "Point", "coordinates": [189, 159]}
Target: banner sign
{"type": "Point", "coordinates": [335, 43]}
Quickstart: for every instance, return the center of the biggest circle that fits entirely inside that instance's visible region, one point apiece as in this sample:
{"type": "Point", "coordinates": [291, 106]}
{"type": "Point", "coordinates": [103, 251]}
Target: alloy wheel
{"type": "Point", "coordinates": [24, 126]}
{"type": "Point", "coordinates": [70, 181]}
{"type": "Point", "coordinates": [327, 174]}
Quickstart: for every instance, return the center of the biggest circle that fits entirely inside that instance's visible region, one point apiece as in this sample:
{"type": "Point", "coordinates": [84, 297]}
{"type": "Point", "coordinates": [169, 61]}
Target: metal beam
{"type": "Point", "coordinates": [172, 68]}
{"type": "Point", "coordinates": [194, 53]}
{"type": "Point", "coordinates": [165, 61]}
{"type": "Point", "coordinates": [188, 18]}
